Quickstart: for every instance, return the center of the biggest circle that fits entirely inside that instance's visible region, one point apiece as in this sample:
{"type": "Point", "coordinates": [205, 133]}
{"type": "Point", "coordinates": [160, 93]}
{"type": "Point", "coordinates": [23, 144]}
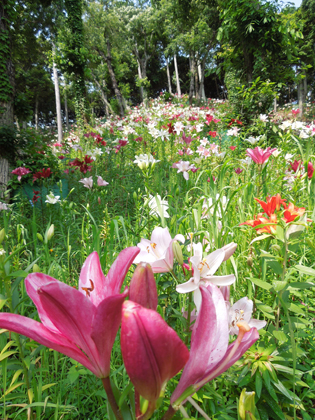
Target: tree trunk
{"type": "Point", "coordinates": [300, 97]}
{"type": "Point", "coordinates": [141, 87]}
{"type": "Point", "coordinates": [66, 111]}
{"type": "Point", "coordinates": [108, 59]}
{"type": "Point", "coordinates": [192, 77]}
{"type": "Point", "coordinates": [168, 76]}
{"type": "Point", "coordinates": [4, 175]}
{"type": "Point", "coordinates": [57, 95]}
{"type": "Point", "coordinates": [201, 73]}
{"type": "Point", "coordinates": [305, 89]}
{"type": "Point", "coordinates": [177, 77]}
{"type": "Point", "coordinates": [103, 96]}
{"type": "Point", "coordinates": [36, 113]}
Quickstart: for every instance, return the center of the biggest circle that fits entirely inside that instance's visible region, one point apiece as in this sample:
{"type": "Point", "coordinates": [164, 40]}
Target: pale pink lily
{"type": "Point", "coordinates": [259, 155]}
{"type": "Point", "coordinates": [101, 182]}
{"type": "Point", "coordinates": [204, 269]}
{"type": "Point", "coordinates": [158, 250]}
{"type": "Point", "coordinates": [87, 182]}
{"type": "Point", "coordinates": [184, 166]}
{"type": "Point", "coordinates": [210, 352]}
{"type": "Point", "coordinates": [242, 311]}
{"type": "Point", "coordinates": [81, 324]}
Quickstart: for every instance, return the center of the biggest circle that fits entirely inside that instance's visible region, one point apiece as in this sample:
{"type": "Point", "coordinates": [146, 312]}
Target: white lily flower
{"type": "Point", "coordinates": [52, 199]}
{"type": "Point", "coordinates": [242, 311]}
{"type": "Point", "coordinates": [204, 269]}
{"type": "Point", "coordinates": [157, 203]}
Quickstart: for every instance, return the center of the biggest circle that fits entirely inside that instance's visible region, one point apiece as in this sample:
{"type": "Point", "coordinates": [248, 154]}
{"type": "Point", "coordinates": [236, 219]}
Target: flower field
{"type": "Point", "coordinates": [161, 265]}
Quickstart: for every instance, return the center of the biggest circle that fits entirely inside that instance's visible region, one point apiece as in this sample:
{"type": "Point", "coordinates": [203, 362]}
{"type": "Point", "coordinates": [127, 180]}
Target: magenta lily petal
{"type": "Point", "coordinates": [32, 283]}
{"type": "Point", "coordinates": [107, 313]}
{"type": "Point", "coordinates": [119, 269]}
{"type": "Point", "coordinates": [71, 312]}
{"type": "Point", "coordinates": [152, 351]}
{"type": "Point", "coordinates": [81, 323]}
{"type": "Point", "coordinates": [39, 333]}
{"type": "Point", "coordinates": [248, 340]}
{"type": "Point", "coordinates": [92, 271]}
{"type": "Point", "coordinates": [209, 340]}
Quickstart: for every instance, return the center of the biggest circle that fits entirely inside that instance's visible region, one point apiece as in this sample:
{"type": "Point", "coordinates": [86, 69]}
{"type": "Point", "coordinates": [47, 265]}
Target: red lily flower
{"type": "Point", "coordinates": [292, 212]}
{"type": "Point", "coordinates": [261, 220]}
{"type": "Point", "coordinates": [272, 204]}
{"type": "Point", "coordinates": [310, 169]}
{"type": "Point", "coordinates": [295, 165]}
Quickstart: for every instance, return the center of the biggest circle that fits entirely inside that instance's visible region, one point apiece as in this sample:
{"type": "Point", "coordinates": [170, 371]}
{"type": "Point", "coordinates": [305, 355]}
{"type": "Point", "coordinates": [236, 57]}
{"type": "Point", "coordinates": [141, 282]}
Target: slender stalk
{"type": "Point", "coordinates": [203, 413]}
{"type": "Point", "coordinates": [188, 316]}
{"type": "Point", "coordinates": [169, 414]}
{"type": "Point", "coordinates": [282, 278]}
{"type": "Point", "coordinates": [111, 399]}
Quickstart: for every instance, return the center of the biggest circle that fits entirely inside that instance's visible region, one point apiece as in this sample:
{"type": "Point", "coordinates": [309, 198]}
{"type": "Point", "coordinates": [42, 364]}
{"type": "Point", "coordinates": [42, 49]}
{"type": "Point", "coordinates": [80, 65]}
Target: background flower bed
{"type": "Point", "coordinates": [109, 218]}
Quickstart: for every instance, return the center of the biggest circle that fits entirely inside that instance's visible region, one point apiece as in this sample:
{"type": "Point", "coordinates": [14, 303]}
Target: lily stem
{"type": "Point", "coordinates": [169, 414]}
{"type": "Point", "coordinates": [111, 398]}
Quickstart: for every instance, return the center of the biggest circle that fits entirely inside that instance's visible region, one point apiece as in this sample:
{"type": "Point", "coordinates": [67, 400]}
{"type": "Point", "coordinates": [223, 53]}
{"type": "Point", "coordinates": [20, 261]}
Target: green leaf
{"type": "Point", "coordinates": [260, 283]}
{"type": "Point", "coordinates": [274, 406]}
{"type": "Point", "coordinates": [260, 238]}
{"type": "Point", "coordinates": [301, 285]}
{"type": "Point", "coordinates": [279, 385]}
{"type": "Point", "coordinates": [258, 383]}
{"type": "Point", "coordinates": [305, 270]}
{"type": "Point", "coordinates": [280, 336]}
{"type": "Point", "coordinates": [294, 308]}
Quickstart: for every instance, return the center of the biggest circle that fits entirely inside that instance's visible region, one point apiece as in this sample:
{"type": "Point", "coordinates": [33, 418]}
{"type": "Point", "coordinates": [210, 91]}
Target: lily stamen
{"type": "Point", "coordinates": [88, 290]}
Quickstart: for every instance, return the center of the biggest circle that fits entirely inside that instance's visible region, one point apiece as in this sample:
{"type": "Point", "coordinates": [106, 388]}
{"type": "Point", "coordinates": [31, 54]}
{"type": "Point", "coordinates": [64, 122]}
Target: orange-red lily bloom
{"type": "Point", "coordinates": [261, 220]}
{"type": "Point", "coordinates": [292, 212]}
{"type": "Point", "coordinates": [271, 204]}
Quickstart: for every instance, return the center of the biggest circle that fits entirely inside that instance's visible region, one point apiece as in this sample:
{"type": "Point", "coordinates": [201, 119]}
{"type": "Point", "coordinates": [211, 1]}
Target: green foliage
{"type": "Point", "coordinates": [250, 101]}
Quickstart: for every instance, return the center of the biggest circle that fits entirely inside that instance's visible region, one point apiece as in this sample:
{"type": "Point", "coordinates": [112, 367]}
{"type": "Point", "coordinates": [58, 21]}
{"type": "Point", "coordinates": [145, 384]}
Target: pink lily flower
{"type": "Point", "coordinates": [210, 353]}
{"type": "Point", "coordinates": [152, 351]}
{"type": "Point", "coordinates": [158, 250]}
{"type": "Point", "coordinates": [20, 172]}
{"type": "Point", "coordinates": [259, 155]}
{"type": "Point", "coordinates": [81, 324]}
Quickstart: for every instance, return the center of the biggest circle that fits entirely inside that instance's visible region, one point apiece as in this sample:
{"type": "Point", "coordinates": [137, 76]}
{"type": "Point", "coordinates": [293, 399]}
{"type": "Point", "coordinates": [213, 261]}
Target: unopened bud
{"type": "Point", "coordinates": [36, 268]}
{"type": "Point", "coordinates": [178, 254]}
{"type": "Point", "coordinates": [40, 237]}
{"type": "Point", "coordinates": [50, 232]}
{"type": "Point", "coordinates": [99, 200]}
{"type": "Point", "coordinates": [143, 287]}
{"type": "Point", "coordinates": [246, 404]}
{"type": "Point", "coordinates": [276, 247]}
{"type": "Point", "coordinates": [2, 235]}
{"type": "Point", "coordinates": [229, 250]}
{"type": "Point", "coordinates": [250, 261]}
{"type": "Point", "coordinates": [135, 195]}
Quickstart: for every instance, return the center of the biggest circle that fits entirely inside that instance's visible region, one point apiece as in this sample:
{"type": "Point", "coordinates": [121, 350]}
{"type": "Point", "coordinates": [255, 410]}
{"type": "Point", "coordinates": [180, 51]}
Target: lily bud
{"type": "Point", "coordinates": [36, 268]}
{"type": "Point", "coordinates": [2, 235]}
{"type": "Point", "coordinates": [229, 250]}
{"type": "Point", "coordinates": [50, 233]}
{"type": "Point", "coordinates": [143, 287]}
{"type": "Point", "coordinates": [40, 237]}
{"type": "Point", "coordinates": [152, 351]}
{"type": "Point", "coordinates": [250, 261]}
{"type": "Point", "coordinates": [178, 254]}
{"type": "Point", "coordinates": [246, 405]}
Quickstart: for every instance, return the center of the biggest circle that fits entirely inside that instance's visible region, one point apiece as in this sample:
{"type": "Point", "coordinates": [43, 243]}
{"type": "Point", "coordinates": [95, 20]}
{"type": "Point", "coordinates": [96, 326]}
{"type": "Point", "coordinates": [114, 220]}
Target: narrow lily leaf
{"type": "Point", "coordinates": [260, 283]}
{"type": "Point", "coordinates": [260, 238]}
{"type": "Point", "coordinates": [306, 270]}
